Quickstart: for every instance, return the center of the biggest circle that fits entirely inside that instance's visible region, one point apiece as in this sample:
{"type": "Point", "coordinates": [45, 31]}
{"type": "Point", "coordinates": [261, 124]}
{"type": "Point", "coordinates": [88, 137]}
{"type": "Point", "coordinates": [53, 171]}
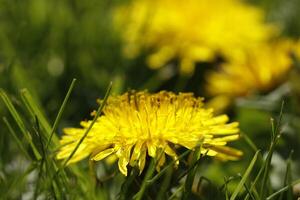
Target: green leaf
{"type": "Point", "coordinates": [91, 125]}
{"type": "Point", "coordinates": [60, 112]}
{"type": "Point", "coordinates": [19, 122]}
{"type": "Point", "coordinates": [244, 177]}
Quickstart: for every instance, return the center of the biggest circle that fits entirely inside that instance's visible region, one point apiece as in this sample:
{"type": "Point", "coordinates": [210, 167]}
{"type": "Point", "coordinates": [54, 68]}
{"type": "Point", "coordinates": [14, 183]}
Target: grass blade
{"type": "Point", "coordinates": [61, 110]}
{"type": "Point", "coordinates": [91, 125]}
{"type": "Point", "coordinates": [144, 186]}
{"type": "Point", "coordinates": [19, 122]}
{"type": "Point", "coordinates": [164, 170]}
{"type": "Point", "coordinates": [288, 177]}
{"type": "Point", "coordinates": [18, 141]}
{"type": "Point", "coordinates": [165, 185]}
{"type": "Point", "coordinates": [283, 190]}
{"type": "Point", "coordinates": [244, 177]}
{"type": "Point", "coordinates": [249, 142]}
{"type": "Point", "coordinates": [35, 110]}
{"type": "Point", "coordinates": [191, 175]}
{"type": "Point", "coordinates": [275, 137]}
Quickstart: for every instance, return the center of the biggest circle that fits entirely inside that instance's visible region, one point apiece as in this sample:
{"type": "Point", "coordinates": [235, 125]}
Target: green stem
{"type": "Point", "coordinates": [149, 173]}
{"type": "Point", "coordinates": [90, 127]}
{"type": "Point", "coordinates": [61, 110]}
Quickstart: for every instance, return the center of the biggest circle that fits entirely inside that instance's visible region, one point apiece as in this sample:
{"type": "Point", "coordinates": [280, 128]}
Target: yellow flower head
{"type": "Point", "coordinates": [190, 30]}
{"type": "Point", "coordinates": [260, 70]}
{"type": "Point", "coordinates": [137, 124]}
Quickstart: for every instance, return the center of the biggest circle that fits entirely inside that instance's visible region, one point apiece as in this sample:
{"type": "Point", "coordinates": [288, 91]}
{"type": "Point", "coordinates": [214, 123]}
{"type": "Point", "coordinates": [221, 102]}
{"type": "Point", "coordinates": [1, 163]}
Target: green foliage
{"type": "Point", "coordinates": [45, 44]}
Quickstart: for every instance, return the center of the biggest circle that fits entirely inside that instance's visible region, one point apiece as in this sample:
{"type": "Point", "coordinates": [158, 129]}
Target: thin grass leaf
{"type": "Point", "coordinates": [245, 177]}
{"type": "Point", "coordinates": [35, 110]}
{"type": "Point", "coordinates": [191, 175]}
{"type": "Point", "coordinates": [191, 167]}
{"type": "Point", "coordinates": [288, 178]}
{"type": "Point", "coordinates": [139, 195]}
{"type": "Point", "coordinates": [226, 190]}
{"type": "Point", "coordinates": [60, 112]}
{"type": "Point", "coordinates": [201, 179]}
{"type": "Point", "coordinates": [127, 184]}
{"type": "Point", "coordinates": [165, 185]}
{"type": "Point", "coordinates": [248, 190]}
{"type": "Point", "coordinates": [275, 137]}
{"type": "Point", "coordinates": [227, 181]}
{"type": "Point", "coordinates": [173, 196]}
{"type": "Point", "coordinates": [19, 122]}
{"type": "Point", "coordinates": [10, 189]}
{"type": "Point", "coordinates": [99, 111]}
{"type": "Point", "coordinates": [283, 189]}
{"type": "Point", "coordinates": [253, 188]}
{"type": "Point", "coordinates": [18, 141]}
{"type": "Point", "coordinates": [266, 164]}
{"type": "Point", "coordinates": [273, 132]}
{"type": "Point", "coordinates": [164, 170]}
{"type": "Point", "coordinates": [249, 141]}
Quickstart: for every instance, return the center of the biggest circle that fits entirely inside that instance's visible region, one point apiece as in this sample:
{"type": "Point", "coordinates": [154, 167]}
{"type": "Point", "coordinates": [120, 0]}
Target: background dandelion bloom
{"type": "Point", "coordinates": [190, 31]}
{"type": "Point", "coordinates": [258, 71]}
{"type": "Point", "coordinates": [139, 123]}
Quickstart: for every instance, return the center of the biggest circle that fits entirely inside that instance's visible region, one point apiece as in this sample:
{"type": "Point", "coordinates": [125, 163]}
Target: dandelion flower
{"type": "Point", "coordinates": [260, 70]}
{"type": "Point", "coordinates": [189, 31]}
{"type": "Point", "coordinates": [136, 125]}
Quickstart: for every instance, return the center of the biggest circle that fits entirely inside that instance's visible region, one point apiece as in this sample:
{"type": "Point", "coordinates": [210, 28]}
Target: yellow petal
{"type": "Point", "coordinates": [171, 153]}
{"type": "Point", "coordinates": [124, 156]}
{"type": "Point", "coordinates": [151, 149]}
{"type": "Point", "coordinates": [103, 154]}
{"type": "Point", "coordinates": [136, 153]}
{"type": "Point", "coordinates": [161, 162]}
{"type": "Point", "coordinates": [227, 151]}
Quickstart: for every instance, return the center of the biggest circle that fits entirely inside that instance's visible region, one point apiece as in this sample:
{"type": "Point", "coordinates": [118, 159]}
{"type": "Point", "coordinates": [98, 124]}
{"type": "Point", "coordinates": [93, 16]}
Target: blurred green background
{"type": "Point", "coordinates": [45, 44]}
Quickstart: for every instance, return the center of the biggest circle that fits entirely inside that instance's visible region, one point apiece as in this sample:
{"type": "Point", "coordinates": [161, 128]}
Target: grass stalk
{"type": "Point", "coordinates": [60, 112]}
{"type": "Point", "coordinates": [19, 122]}
{"type": "Point", "coordinates": [191, 175]}
{"type": "Point", "coordinates": [99, 111]}
{"type": "Point", "coordinates": [244, 177]}
{"type": "Point", "coordinates": [18, 141]}
{"type": "Point", "coordinates": [283, 189]}
{"type": "Point", "coordinates": [139, 195]}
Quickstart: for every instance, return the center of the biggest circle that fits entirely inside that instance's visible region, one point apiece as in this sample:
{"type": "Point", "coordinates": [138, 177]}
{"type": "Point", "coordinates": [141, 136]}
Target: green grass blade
{"type": "Point", "coordinates": [127, 184]}
{"type": "Point", "coordinates": [164, 170]}
{"type": "Point", "coordinates": [60, 112]}
{"type": "Point", "coordinates": [177, 191]}
{"type": "Point", "coordinates": [244, 177]}
{"type": "Point", "coordinates": [165, 185]}
{"type": "Point", "coordinates": [288, 178]}
{"type": "Point", "coordinates": [145, 184]}
{"type": "Point", "coordinates": [35, 110]}
{"type": "Point", "coordinates": [19, 122]}
{"type": "Point", "coordinates": [191, 175]}
{"type": "Point", "coordinates": [91, 125]}
{"type": "Point", "coordinates": [18, 141]}
{"type": "Point", "coordinates": [275, 137]}
{"type": "Point", "coordinates": [249, 141]}
{"type": "Point", "coordinates": [283, 189]}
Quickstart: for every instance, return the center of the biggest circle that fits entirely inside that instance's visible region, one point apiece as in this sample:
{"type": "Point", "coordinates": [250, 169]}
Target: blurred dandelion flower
{"type": "Point", "coordinates": [139, 123]}
{"type": "Point", "coordinates": [190, 31]}
{"type": "Point", "coordinates": [260, 70]}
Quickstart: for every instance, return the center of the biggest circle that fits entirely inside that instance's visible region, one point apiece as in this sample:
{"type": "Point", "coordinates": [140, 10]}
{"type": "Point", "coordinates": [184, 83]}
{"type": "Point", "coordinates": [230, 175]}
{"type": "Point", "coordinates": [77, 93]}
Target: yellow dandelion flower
{"type": "Point", "coordinates": [190, 31]}
{"type": "Point", "coordinates": [137, 124]}
{"type": "Point", "coordinates": [258, 71]}
{"type": "Point", "coordinates": [297, 49]}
